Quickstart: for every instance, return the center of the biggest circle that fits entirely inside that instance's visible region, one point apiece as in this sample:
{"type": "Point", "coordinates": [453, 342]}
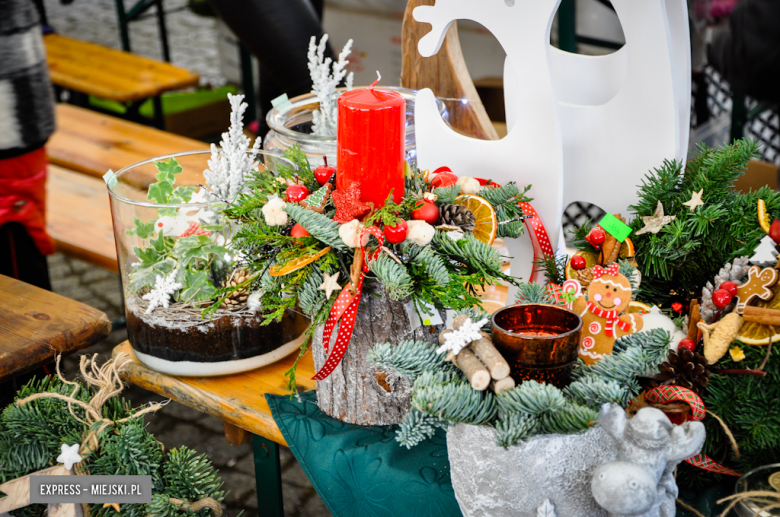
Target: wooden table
{"type": "Point", "coordinates": [239, 401]}
{"type": "Point", "coordinates": [36, 325]}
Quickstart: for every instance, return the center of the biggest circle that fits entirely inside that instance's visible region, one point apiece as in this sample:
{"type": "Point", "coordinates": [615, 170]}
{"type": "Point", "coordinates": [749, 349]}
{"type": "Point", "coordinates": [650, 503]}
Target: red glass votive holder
{"type": "Point", "coordinates": [538, 341]}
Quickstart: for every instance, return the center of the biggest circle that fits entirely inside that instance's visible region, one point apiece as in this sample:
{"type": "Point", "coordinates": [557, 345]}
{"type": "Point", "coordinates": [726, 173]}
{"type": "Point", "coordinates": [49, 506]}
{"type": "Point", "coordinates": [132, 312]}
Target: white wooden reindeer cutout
{"type": "Point", "coordinates": [581, 128]}
{"type": "Point", "coordinates": [531, 153]}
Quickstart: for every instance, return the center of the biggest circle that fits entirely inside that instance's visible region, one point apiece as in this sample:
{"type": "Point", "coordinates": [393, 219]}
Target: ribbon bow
{"type": "Point", "coordinates": [346, 305]}
{"type": "Point", "coordinates": [612, 270]}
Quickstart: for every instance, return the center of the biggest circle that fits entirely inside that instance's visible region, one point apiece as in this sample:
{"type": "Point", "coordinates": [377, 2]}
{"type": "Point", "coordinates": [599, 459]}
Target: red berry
{"type": "Point", "coordinates": [774, 231]}
{"type": "Point", "coordinates": [427, 212]}
{"type": "Point", "coordinates": [578, 262]}
{"type": "Point", "coordinates": [444, 179]}
{"type": "Point", "coordinates": [396, 234]}
{"type": "Point", "coordinates": [299, 231]}
{"type": "Point", "coordinates": [324, 173]}
{"type": "Point", "coordinates": [721, 298]}
{"type": "Point", "coordinates": [729, 286]}
{"type": "Point", "coordinates": [596, 237]}
{"type": "Point", "coordinates": [297, 193]}
{"type": "Point", "coordinates": [687, 343]}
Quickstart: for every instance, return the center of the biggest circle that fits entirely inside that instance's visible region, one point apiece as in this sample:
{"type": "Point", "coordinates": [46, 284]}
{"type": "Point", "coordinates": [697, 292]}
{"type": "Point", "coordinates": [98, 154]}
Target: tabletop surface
{"type": "Point", "coordinates": [92, 143]}
{"type": "Point", "coordinates": [109, 73]}
{"type": "Point", "coordinates": [238, 399]}
{"type": "Point", "coordinates": [36, 324]}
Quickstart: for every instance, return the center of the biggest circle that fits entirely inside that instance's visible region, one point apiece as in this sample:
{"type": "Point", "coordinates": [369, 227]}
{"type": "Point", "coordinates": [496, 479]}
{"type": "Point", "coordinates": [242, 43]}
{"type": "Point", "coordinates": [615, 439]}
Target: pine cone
{"type": "Point", "coordinates": [585, 276]}
{"type": "Point", "coordinates": [458, 215]}
{"type": "Point", "coordinates": [734, 272]}
{"type": "Point", "coordinates": [237, 298]}
{"type": "Point", "coordinates": [683, 368]}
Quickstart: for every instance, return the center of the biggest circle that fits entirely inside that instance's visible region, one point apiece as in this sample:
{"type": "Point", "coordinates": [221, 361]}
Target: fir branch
{"type": "Point", "coordinates": [393, 276]}
{"type": "Point", "coordinates": [311, 297]}
{"type": "Point", "coordinates": [595, 391]}
{"type": "Point", "coordinates": [450, 397]}
{"type": "Point", "coordinates": [409, 358]}
{"type": "Point", "coordinates": [515, 428]}
{"type": "Point", "coordinates": [569, 419]}
{"type": "Point", "coordinates": [531, 398]}
{"type": "Point", "coordinates": [417, 427]}
{"type": "Point", "coordinates": [446, 195]}
{"type": "Point", "coordinates": [578, 240]}
{"type": "Point", "coordinates": [319, 226]}
{"type": "Point", "coordinates": [433, 265]}
{"type": "Point", "coordinates": [533, 293]}
{"type": "Point", "coordinates": [553, 267]}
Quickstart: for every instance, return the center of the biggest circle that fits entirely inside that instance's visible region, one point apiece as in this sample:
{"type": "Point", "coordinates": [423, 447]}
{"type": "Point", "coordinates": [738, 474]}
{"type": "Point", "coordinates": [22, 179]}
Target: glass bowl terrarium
{"type": "Point", "coordinates": [187, 288]}
{"type": "Point", "coordinates": [291, 124]}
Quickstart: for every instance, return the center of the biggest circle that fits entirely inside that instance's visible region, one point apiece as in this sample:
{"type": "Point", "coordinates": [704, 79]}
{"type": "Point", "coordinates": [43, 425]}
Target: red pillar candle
{"type": "Point", "coordinates": [371, 141]}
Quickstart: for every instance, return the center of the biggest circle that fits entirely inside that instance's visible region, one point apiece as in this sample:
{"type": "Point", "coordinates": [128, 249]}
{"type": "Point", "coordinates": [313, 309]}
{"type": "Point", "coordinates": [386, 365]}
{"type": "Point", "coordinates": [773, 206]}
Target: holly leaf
{"type": "Point", "coordinates": [197, 287]}
{"type": "Point", "coordinates": [147, 276]}
{"type": "Point", "coordinates": [142, 229]}
{"type": "Point", "coordinates": [182, 195]}
{"type": "Point", "coordinates": [160, 191]}
{"type": "Point", "coordinates": [196, 247]}
{"type": "Point", "coordinates": [168, 170]}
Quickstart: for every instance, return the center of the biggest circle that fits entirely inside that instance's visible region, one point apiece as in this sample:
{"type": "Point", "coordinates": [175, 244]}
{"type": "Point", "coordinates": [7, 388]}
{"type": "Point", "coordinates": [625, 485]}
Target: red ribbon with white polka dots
{"type": "Point", "coordinates": [345, 309]}
{"type": "Point", "coordinates": [539, 239]}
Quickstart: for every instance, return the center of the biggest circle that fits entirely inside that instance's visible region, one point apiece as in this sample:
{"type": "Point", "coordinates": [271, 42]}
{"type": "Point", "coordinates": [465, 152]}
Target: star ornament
{"type": "Point", "coordinates": [695, 200]}
{"type": "Point", "coordinates": [115, 506]}
{"type": "Point", "coordinates": [655, 222]}
{"type": "Point", "coordinates": [348, 204]}
{"type": "Point", "coordinates": [69, 455]}
{"type": "Point", "coordinates": [330, 284]}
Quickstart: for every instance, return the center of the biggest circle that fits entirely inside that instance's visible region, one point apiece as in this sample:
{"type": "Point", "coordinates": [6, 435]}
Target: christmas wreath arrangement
{"type": "Point", "coordinates": [85, 425]}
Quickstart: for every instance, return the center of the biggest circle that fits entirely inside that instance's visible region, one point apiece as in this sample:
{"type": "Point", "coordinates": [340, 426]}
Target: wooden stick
{"type": "Point", "coordinates": [503, 385]}
{"type": "Point", "coordinates": [487, 353]}
{"type": "Point", "coordinates": [442, 334]}
{"type": "Point", "coordinates": [761, 315]}
{"type": "Point", "coordinates": [459, 320]}
{"type": "Point", "coordinates": [475, 371]}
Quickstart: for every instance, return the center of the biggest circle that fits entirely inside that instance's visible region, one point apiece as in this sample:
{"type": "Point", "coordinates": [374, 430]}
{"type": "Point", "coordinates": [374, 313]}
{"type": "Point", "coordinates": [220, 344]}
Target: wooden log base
{"type": "Point", "coordinates": [502, 385]}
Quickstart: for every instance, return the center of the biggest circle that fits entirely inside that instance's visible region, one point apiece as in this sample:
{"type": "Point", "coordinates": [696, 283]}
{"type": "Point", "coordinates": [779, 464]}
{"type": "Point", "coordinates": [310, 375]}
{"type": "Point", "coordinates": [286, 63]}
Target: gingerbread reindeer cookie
{"type": "Point", "coordinates": [602, 320]}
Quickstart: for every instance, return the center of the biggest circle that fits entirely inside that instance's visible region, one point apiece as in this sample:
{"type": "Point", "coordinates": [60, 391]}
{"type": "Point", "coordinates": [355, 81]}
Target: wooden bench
{"type": "Point", "coordinates": [78, 217]}
{"type": "Point", "coordinates": [239, 401]}
{"type": "Point", "coordinates": [92, 143]}
{"type": "Point", "coordinates": [36, 324]}
{"type": "Point", "coordinates": [111, 74]}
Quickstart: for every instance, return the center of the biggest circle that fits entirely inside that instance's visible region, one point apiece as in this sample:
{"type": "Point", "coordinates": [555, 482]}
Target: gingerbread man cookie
{"type": "Point", "coordinates": [758, 285]}
{"type": "Point", "coordinates": [602, 322]}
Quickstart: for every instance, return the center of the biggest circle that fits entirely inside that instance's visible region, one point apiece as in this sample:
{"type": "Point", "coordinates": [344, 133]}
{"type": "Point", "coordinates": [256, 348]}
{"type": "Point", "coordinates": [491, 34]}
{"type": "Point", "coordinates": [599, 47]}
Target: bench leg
{"type": "Point", "coordinates": [268, 477]}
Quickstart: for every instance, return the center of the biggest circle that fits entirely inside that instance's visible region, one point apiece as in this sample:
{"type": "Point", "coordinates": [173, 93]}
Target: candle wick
{"type": "Point", "coordinates": [378, 78]}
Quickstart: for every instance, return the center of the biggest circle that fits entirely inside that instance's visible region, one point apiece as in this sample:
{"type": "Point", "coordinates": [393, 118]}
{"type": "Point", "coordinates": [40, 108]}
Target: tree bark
{"type": "Point", "coordinates": [357, 392]}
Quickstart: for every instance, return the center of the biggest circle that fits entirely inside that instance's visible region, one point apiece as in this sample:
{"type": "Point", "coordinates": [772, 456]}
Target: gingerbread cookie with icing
{"type": "Point", "coordinates": [603, 321]}
{"type": "Point", "coordinates": [757, 286]}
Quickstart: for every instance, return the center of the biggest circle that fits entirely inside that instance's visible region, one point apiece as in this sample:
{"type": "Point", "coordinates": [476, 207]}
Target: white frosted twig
{"type": "Point", "coordinates": [324, 84]}
{"type": "Point", "coordinates": [231, 163]}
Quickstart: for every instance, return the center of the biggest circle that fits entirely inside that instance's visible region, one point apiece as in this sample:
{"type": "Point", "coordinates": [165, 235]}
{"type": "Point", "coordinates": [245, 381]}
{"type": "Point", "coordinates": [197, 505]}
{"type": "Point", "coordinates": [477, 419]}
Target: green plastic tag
{"type": "Point", "coordinates": [110, 178]}
{"type": "Point", "coordinates": [615, 227]}
{"type": "Point", "coordinates": [281, 101]}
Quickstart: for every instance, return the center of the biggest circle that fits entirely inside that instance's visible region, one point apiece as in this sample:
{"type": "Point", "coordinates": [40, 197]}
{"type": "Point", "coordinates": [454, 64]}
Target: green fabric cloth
{"type": "Point", "coordinates": [363, 471]}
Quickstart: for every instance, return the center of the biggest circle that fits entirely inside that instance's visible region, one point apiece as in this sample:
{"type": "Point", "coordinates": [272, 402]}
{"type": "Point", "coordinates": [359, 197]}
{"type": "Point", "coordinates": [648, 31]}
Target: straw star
{"type": "Point", "coordinates": [330, 284]}
{"type": "Point", "coordinates": [69, 456]}
{"type": "Point", "coordinates": [115, 506]}
{"type": "Point", "coordinates": [695, 200]}
{"type": "Point", "coordinates": [655, 222]}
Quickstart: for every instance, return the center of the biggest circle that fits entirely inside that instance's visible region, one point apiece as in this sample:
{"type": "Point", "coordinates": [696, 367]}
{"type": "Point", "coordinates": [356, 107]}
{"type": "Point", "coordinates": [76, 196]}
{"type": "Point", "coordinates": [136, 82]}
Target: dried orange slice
{"type": "Point", "coordinates": [756, 333]}
{"type": "Point", "coordinates": [763, 216]}
{"type": "Point", "coordinates": [638, 307]}
{"type": "Point", "coordinates": [487, 223]}
{"type": "Point", "coordinates": [591, 259]}
{"type": "Point", "coordinates": [295, 265]}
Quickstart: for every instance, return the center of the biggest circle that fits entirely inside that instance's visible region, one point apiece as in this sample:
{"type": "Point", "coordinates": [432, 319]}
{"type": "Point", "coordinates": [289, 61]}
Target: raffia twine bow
{"type": "Point", "coordinates": [109, 384]}
{"type": "Point", "coordinates": [762, 496]}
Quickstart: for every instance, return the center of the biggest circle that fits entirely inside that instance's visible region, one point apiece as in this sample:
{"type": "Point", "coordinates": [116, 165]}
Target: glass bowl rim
{"type": "Point", "coordinates": [566, 334]}
{"type": "Point", "coordinates": [289, 133]}
{"type": "Point", "coordinates": [147, 204]}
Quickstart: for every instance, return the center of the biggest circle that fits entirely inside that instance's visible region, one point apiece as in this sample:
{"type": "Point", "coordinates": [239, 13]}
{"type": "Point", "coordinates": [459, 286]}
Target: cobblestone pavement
{"type": "Point", "coordinates": [177, 425]}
